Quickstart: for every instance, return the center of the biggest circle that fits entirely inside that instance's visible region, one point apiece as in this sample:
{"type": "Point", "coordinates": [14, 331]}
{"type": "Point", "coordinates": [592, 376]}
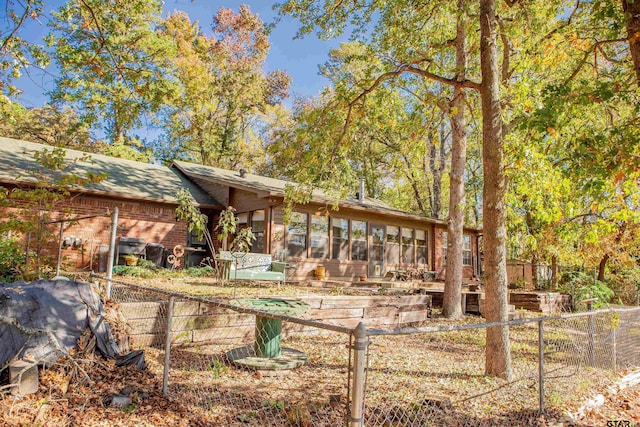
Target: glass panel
{"type": "Point", "coordinates": [319, 236]}
{"type": "Point", "coordinates": [358, 240]}
{"type": "Point", "coordinates": [340, 238]}
{"type": "Point", "coordinates": [297, 235]}
{"type": "Point", "coordinates": [444, 247]}
{"type": "Point", "coordinates": [392, 247]}
{"type": "Point", "coordinates": [243, 220]}
{"type": "Point", "coordinates": [466, 250]}
{"type": "Point", "coordinates": [422, 253]}
{"type": "Point", "coordinates": [257, 227]}
{"type": "Point", "coordinates": [377, 243]}
{"type": "Point", "coordinates": [407, 246]}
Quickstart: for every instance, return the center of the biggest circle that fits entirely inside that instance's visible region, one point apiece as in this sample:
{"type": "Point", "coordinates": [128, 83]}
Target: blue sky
{"type": "Point", "coordinates": [298, 57]}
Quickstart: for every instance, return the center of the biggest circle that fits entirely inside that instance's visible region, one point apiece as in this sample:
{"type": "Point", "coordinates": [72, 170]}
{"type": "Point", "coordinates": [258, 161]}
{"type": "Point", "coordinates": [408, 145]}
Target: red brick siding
{"type": "Point", "coordinates": [153, 222]}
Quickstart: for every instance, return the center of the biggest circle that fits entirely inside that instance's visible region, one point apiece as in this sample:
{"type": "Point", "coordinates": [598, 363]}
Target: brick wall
{"type": "Point", "coordinates": [150, 221]}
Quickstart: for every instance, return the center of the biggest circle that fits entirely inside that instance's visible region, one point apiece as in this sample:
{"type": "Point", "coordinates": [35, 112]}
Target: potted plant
{"type": "Point", "coordinates": [130, 260]}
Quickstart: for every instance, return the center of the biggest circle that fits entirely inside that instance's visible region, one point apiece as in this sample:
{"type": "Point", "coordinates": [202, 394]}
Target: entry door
{"type": "Point", "coordinates": [376, 250]}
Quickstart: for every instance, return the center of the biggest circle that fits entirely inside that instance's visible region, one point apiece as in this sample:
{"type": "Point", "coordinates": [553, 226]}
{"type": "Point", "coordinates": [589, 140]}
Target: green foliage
{"type": "Point", "coordinates": [583, 286]}
{"type": "Point", "coordinates": [225, 96]}
{"type": "Point", "coordinates": [49, 125]}
{"type": "Point", "coordinates": [227, 223]}
{"type": "Point", "coordinates": [148, 270]}
{"type": "Point", "coordinates": [12, 258]}
{"type": "Point", "coordinates": [189, 213]}
{"type": "Point", "coordinates": [113, 64]}
{"type": "Point", "coordinates": [243, 240]}
{"type": "Point", "coordinates": [17, 53]}
{"type": "Point", "coordinates": [227, 226]}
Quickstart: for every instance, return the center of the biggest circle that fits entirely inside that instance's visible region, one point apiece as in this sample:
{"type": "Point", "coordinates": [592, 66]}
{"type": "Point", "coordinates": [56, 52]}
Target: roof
{"type": "Point", "coordinates": [126, 178]}
{"type": "Point", "coordinates": [276, 187]}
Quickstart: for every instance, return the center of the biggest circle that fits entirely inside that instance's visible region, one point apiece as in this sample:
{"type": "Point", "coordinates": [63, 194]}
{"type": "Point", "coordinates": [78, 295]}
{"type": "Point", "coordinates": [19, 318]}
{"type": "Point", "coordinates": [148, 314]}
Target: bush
{"type": "Point", "coordinates": [582, 286]}
{"type": "Point", "coordinates": [626, 285]}
{"type": "Point", "coordinates": [12, 260]}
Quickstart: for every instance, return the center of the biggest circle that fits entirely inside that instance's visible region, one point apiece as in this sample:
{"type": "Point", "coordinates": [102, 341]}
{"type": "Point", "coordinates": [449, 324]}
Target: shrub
{"type": "Point", "coordinates": [582, 286]}
{"type": "Point", "coordinates": [12, 259]}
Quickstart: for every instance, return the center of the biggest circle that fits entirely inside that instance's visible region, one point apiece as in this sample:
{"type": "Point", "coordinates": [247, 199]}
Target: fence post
{"type": "Point", "coordinates": [591, 332]}
{"type": "Point", "coordinates": [167, 349]}
{"type": "Point", "coordinates": [356, 410]}
{"type": "Point", "coordinates": [614, 344]}
{"type": "Point", "coordinates": [541, 365]}
{"type": "Point", "coordinates": [112, 249]}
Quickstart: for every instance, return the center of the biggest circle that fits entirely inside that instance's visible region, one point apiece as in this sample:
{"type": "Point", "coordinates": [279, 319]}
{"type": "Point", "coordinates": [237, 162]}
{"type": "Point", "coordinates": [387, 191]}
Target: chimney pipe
{"type": "Point", "coordinates": [361, 192]}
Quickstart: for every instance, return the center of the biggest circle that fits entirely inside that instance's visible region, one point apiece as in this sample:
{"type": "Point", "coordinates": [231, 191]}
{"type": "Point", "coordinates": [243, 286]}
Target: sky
{"type": "Point", "coordinates": [298, 57]}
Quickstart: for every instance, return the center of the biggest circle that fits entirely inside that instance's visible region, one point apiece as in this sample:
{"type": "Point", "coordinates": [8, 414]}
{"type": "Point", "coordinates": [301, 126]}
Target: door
{"type": "Point", "coordinates": [376, 250]}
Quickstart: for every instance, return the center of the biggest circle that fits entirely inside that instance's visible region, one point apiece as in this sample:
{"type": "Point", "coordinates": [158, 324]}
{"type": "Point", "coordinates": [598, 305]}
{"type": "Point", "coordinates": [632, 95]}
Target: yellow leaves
{"type": "Point", "coordinates": [579, 43]}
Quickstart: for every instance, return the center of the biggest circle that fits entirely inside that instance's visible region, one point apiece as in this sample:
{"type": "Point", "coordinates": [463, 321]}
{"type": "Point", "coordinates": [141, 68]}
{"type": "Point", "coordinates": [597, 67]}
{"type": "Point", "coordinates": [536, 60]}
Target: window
{"type": "Point", "coordinates": [358, 240]}
{"type": "Point", "coordinates": [422, 253]}
{"type": "Point", "coordinates": [444, 247]}
{"type": "Point", "coordinates": [340, 249]}
{"type": "Point", "coordinates": [466, 250]}
{"type": "Point", "coordinates": [297, 235]}
{"type": "Point", "coordinates": [319, 236]}
{"type": "Point", "coordinates": [392, 247]}
{"type": "Point", "coordinates": [408, 246]}
{"type": "Point", "coordinates": [257, 227]}
{"type": "Point", "coordinates": [242, 221]}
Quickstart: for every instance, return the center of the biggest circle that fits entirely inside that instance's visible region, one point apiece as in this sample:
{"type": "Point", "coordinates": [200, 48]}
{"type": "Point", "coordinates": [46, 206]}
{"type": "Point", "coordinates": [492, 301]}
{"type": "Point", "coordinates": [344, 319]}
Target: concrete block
{"type": "Point", "coordinates": [24, 384]}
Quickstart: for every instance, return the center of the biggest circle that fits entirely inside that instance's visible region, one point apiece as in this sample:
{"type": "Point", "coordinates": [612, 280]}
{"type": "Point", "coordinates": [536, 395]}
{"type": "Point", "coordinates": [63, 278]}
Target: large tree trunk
{"type": "Point", "coordinates": [451, 304]}
{"type": "Point", "coordinates": [602, 267]}
{"type": "Point", "coordinates": [498, 353]}
{"type": "Point", "coordinates": [632, 10]}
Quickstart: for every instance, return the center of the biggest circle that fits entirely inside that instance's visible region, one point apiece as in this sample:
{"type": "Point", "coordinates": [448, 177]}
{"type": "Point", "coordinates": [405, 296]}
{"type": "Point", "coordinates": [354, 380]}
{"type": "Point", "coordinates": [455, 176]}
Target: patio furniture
{"type": "Point", "coordinates": [252, 266]}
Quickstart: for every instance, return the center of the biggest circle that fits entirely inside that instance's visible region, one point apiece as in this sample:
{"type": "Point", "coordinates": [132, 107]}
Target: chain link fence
{"type": "Point", "coordinates": [234, 363]}
{"type": "Point", "coordinates": [435, 375]}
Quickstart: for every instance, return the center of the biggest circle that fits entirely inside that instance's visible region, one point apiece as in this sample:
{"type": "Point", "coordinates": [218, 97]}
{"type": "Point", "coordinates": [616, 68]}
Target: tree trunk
{"type": "Point", "coordinates": [437, 181]}
{"type": "Point", "coordinates": [534, 271]}
{"type": "Point", "coordinates": [451, 304]}
{"type": "Point", "coordinates": [601, 267]}
{"type": "Point", "coordinates": [498, 353]}
{"type": "Point", "coordinates": [554, 272]}
{"type": "Point", "coordinates": [632, 11]}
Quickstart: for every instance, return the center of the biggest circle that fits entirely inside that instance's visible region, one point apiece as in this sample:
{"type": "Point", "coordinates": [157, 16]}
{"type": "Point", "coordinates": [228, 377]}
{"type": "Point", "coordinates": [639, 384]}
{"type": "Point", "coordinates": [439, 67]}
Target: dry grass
{"type": "Point", "coordinates": [413, 380]}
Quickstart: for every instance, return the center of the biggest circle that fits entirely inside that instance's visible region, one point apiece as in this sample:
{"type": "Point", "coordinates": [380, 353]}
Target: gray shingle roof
{"type": "Point", "coordinates": [276, 187]}
{"type": "Point", "coordinates": [126, 178]}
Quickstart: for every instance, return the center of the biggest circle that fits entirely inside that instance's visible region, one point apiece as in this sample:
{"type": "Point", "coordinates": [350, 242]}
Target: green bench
{"type": "Point", "coordinates": [252, 266]}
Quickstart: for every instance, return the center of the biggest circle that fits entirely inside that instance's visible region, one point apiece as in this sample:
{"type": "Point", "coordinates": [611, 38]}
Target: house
{"type": "Point", "coordinates": [145, 195]}
{"type": "Point", "coordinates": [364, 237]}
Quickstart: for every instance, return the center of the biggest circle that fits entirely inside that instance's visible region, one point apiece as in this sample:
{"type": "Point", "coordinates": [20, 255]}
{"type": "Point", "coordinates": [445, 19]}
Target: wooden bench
{"type": "Point", "coordinates": [252, 266]}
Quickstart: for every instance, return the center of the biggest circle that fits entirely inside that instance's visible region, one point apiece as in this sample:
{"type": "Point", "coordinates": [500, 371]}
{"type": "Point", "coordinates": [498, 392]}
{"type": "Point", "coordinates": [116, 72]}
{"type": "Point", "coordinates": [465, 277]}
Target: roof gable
{"type": "Point", "coordinates": [126, 178]}
{"type": "Point", "coordinates": [266, 186]}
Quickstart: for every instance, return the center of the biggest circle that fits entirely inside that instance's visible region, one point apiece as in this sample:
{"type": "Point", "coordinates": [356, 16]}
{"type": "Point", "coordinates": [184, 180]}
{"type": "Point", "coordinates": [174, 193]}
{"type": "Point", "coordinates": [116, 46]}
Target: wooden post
{"type": "Point", "coordinates": [356, 408]}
